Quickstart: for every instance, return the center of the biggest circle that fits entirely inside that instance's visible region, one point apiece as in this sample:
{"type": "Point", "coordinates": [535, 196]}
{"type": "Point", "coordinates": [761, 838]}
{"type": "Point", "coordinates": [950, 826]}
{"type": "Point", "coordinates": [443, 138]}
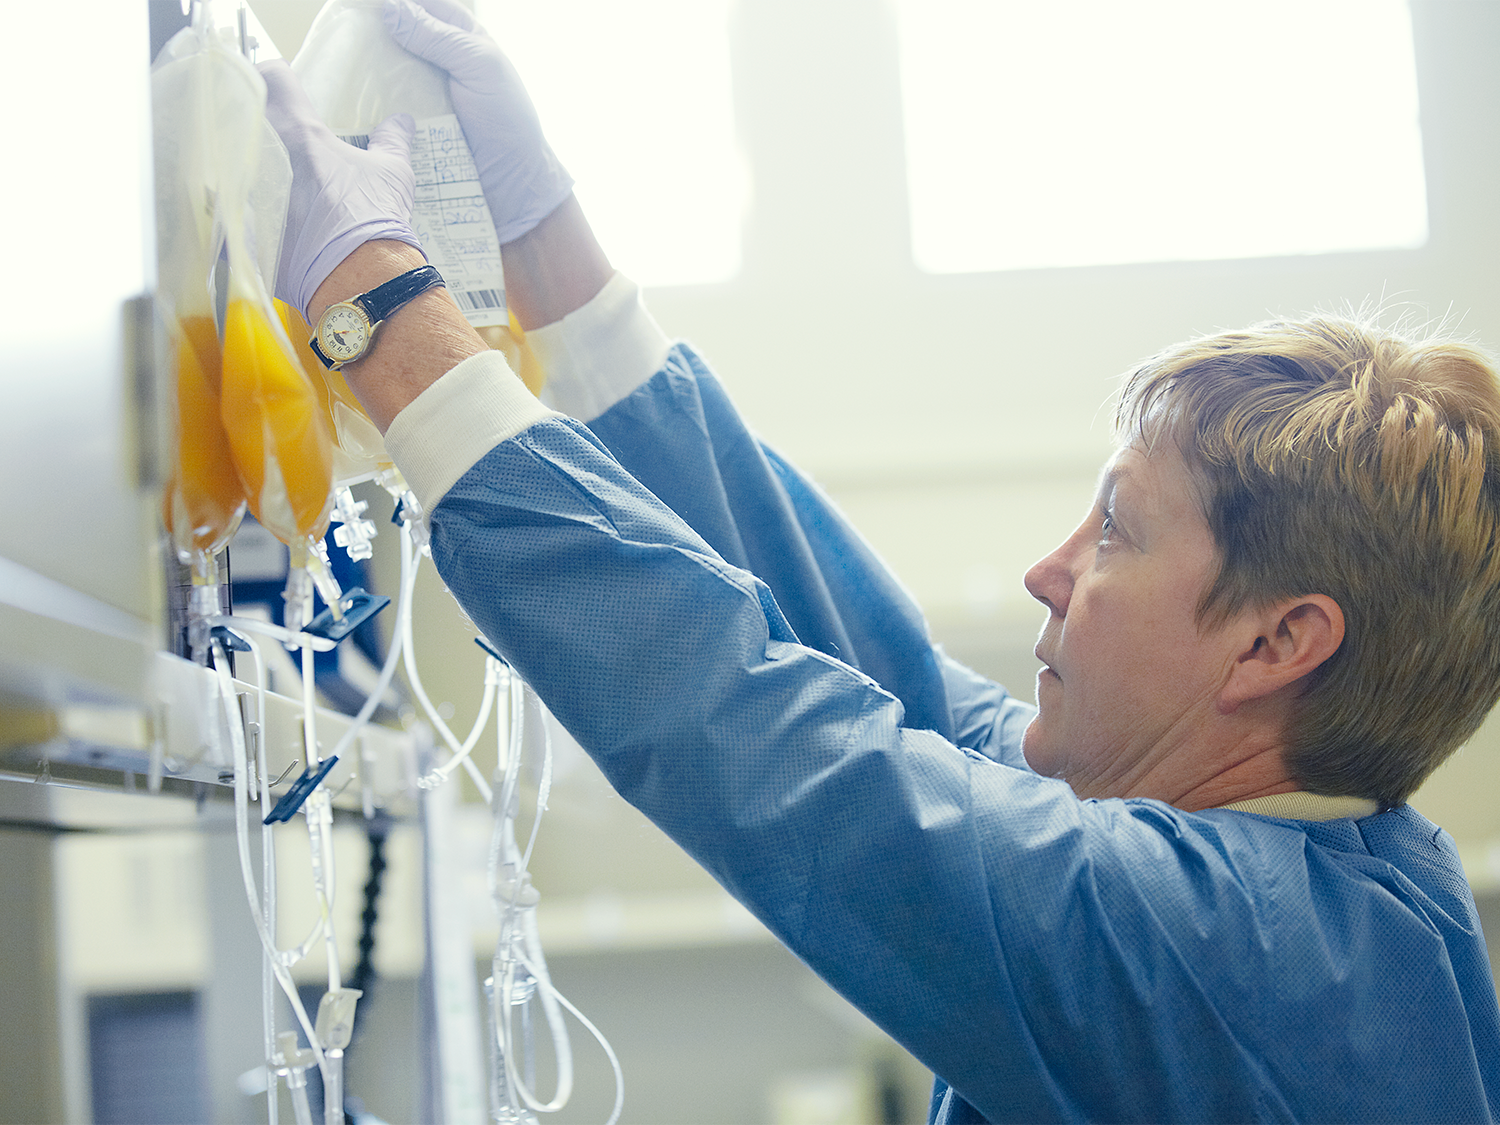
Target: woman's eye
{"type": "Point", "coordinates": [1106, 526]}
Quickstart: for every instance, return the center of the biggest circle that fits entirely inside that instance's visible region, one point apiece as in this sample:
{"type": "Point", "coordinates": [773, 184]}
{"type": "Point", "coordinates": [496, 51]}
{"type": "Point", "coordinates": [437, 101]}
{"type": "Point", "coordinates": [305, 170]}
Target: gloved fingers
{"type": "Point", "coordinates": [392, 137]}
{"type": "Point", "coordinates": [521, 176]}
{"type": "Point", "coordinates": [341, 196]}
{"type": "Point", "coordinates": [450, 11]}
{"type": "Point", "coordinates": [288, 107]}
{"type": "Point", "coordinates": [281, 84]}
{"type": "Point", "coordinates": [468, 56]}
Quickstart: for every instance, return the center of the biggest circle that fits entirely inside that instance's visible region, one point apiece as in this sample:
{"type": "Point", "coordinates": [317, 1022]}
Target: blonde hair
{"type": "Point", "coordinates": [1337, 457]}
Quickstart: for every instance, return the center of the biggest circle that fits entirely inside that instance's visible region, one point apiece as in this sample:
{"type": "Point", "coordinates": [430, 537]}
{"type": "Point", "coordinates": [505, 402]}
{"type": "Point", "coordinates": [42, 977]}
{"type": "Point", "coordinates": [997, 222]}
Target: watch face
{"type": "Point", "coordinates": [343, 333]}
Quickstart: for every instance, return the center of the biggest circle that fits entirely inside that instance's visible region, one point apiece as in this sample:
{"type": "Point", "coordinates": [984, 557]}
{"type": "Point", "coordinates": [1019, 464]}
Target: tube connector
{"type": "Point", "coordinates": [298, 597]}
{"type": "Point", "coordinates": [335, 1026]}
{"type": "Point", "coordinates": [202, 609]}
{"type": "Point", "coordinates": [322, 576]}
{"type": "Point", "coordinates": [290, 1057]}
{"type": "Point", "coordinates": [354, 533]}
{"type": "Point", "coordinates": [409, 511]}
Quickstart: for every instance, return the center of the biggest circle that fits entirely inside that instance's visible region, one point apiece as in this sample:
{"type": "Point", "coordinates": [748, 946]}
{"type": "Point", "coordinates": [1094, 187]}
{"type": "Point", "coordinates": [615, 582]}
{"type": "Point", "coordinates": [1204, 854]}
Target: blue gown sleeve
{"type": "Point", "coordinates": [680, 435]}
{"type": "Point", "coordinates": [1051, 959]}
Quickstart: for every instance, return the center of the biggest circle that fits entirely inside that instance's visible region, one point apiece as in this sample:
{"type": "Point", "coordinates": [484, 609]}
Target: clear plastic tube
{"type": "Point", "coordinates": [318, 812]}
{"type": "Point", "coordinates": [505, 1103]}
{"type": "Point", "coordinates": [522, 971]}
{"type": "Point", "coordinates": [376, 694]}
{"type": "Point", "coordinates": [268, 884]}
{"type": "Point", "coordinates": [520, 968]}
{"type": "Point", "coordinates": [333, 1088]}
{"type": "Point", "coordinates": [309, 707]}
{"type": "Point", "coordinates": [410, 558]}
{"type": "Point", "coordinates": [443, 772]}
{"type": "Point", "coordinates": [290, 638]}
{"type": "Point", "coordinates": [298, 592]}
{"type": "Point", "coordinates": [296, 1081]}
{"type": "Point", "coordinates": [289, 957]}
{"type": "Point", "coordinates": [242, 834]}
{"type": "Point", "coordinates": [544, 984]}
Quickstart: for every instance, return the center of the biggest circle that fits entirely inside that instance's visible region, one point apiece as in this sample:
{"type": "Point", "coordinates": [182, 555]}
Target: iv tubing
{"type": "Point", "coordinates": [376, 694]}
{"type": "Point", "coordinates": [410, 558]}
{"type": "Point", "coordinates": [443, 772]}
{"type": "Point", "coordinates": [526, 949]}
{"type": "Point", "coordinates": [300, 1108]}
{"type": "Point", "coordinates": [268, 884]}
{"type": "Point", "coordinates": [333, 1088]}
{"type": "Point", "coordinates": [289, 637]}
{"type": "Point", "coordinates": [544, 789]}
{"type": "Point", "coordinates": [414, 678]}
{"type": "Point", "coordinates": [309, 710]}
{"type": "Point", "coordinates": [508, 795]}
{"type": "Point", "coordinates": [525, 945]}
{"type": "Point", "coordinates": [242, 832]}
{"type": "Point", "coordinates": [544, 985]}
{"type": "Point", "coordinates": [319, 813]}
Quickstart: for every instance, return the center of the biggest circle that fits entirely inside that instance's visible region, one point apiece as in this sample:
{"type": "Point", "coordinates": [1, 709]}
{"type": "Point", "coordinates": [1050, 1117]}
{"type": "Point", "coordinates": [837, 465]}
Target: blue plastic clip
{"type": "Point", "coordinates": [232, 640]}
{"type": "Point", "coordinates": [357, 606]}
{"type": "Point", "coordinates": [295, 797]}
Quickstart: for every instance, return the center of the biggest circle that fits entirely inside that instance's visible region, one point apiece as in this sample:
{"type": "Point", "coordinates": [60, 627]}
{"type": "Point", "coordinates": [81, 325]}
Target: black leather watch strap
{"type": "Point", "coordinates": [384, 300]}
{"type": "Point", "coordinates": [317, 351]}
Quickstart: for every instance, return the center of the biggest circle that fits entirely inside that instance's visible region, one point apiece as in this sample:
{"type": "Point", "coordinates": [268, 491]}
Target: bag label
{"type": "Point", "coordinates": [452, 221]}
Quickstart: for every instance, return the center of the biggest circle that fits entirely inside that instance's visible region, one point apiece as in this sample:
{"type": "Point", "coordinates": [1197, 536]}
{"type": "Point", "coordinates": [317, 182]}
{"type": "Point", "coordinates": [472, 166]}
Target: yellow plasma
{"type": "Point", "coordinates": [205, 498]}
{"type": "Point", "coordinates": [275, 427]}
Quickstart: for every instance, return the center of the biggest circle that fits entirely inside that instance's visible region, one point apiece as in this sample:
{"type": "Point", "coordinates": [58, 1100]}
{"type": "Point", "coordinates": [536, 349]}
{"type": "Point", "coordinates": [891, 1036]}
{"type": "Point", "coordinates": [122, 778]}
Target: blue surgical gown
{"type": "Point", "coordinates": [746, 672]}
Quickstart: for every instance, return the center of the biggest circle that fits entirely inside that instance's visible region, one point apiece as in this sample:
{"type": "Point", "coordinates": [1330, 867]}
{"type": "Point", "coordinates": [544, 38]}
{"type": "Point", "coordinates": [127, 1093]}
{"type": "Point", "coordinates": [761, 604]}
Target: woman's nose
{"type": "Point", "coordinates": [1050, 579]}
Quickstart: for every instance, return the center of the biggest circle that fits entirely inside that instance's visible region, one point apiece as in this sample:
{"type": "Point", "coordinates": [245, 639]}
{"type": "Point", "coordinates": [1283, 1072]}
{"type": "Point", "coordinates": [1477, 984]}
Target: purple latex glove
{"type": "Point", "coordinates": [522, 179]}
{"type": "Point", "coordinates": [342, 196]}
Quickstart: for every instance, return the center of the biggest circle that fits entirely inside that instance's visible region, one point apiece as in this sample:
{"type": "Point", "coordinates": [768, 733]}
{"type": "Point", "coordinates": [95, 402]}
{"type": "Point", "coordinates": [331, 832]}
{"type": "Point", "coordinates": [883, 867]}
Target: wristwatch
{"type": "Point", "coordinates": [346, 330]}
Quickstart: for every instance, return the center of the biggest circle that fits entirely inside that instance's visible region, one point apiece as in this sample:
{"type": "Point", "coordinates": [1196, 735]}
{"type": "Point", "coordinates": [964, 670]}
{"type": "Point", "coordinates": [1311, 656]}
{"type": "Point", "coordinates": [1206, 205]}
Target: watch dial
{"type": "Point", "coordinates": [343, 333]}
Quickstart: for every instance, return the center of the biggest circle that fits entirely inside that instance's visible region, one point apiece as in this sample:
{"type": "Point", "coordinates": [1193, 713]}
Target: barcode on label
{"type": "Point", "coordinates": [360, 140]}
{"type": "Point", "coordinates": [480, 299]}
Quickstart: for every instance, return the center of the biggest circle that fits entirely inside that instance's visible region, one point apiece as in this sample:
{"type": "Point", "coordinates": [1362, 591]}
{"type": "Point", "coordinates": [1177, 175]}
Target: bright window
{"type": "Point", "coordinates": [1086, 133]}
{"type": "Point", "coordinates": [635, 99]}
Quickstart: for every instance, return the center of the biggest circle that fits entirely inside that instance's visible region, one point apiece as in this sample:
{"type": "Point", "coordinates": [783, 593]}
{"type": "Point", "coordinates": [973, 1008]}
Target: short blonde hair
{"type": "Point", "coordinates": [1337, 457]}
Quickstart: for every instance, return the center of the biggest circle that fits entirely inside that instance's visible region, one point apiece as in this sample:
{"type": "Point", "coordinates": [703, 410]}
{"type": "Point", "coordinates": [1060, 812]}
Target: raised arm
{"type": "Point", "coordinates": [658, 407]}
{"type": "Point", "coordinates": [553, 262]}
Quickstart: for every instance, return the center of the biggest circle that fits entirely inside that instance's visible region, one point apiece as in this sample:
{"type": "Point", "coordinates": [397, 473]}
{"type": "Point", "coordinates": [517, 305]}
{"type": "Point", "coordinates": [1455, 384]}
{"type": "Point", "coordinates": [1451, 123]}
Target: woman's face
{"type": "Point", "coordinates": [1130, 679]}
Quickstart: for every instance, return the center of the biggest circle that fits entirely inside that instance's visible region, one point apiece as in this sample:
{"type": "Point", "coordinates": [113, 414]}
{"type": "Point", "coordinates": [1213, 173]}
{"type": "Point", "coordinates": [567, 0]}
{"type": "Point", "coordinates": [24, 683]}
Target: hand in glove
{"type": "Point", "coordinates": [523, 181]}
{"type": "Point", "coordinates": [342, 196]}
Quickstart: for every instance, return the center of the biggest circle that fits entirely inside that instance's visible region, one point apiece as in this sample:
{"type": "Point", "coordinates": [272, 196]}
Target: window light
{"type": "Point", "coordinates": [1084, 133]}
{"type": "Point", "coordinates": [635, 99]}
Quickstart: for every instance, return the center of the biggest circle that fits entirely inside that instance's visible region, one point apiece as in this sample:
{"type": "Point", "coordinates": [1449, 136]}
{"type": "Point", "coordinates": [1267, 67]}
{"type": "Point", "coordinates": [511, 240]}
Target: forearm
{"type": "Point", "coordinates": [414, 347]}
{"type": "Point", "coordinates": [554, 269]}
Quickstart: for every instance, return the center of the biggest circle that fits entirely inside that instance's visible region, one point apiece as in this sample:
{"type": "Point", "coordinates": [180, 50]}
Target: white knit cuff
{"type": "Point", "coordinates": [441, 433]}
{"type": "Point", "coordinates": [599, 354]}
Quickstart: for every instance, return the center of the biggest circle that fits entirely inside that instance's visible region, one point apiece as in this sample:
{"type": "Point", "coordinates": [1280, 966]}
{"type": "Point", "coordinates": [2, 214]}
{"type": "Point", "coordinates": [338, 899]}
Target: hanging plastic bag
{"type": "Point", "coordinates": [204, 499]}
{"type": "Point", "coordinates": [356, 76]}
{"type": "Point", "coordinates": [269, 406]}
{"type": "Point", "coordinates": [232, 162]}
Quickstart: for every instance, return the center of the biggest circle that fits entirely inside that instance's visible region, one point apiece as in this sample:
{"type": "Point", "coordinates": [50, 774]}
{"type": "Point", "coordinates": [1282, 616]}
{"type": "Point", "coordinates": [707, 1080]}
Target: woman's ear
{"type": "Point", "coordinates": [1295, 636]}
